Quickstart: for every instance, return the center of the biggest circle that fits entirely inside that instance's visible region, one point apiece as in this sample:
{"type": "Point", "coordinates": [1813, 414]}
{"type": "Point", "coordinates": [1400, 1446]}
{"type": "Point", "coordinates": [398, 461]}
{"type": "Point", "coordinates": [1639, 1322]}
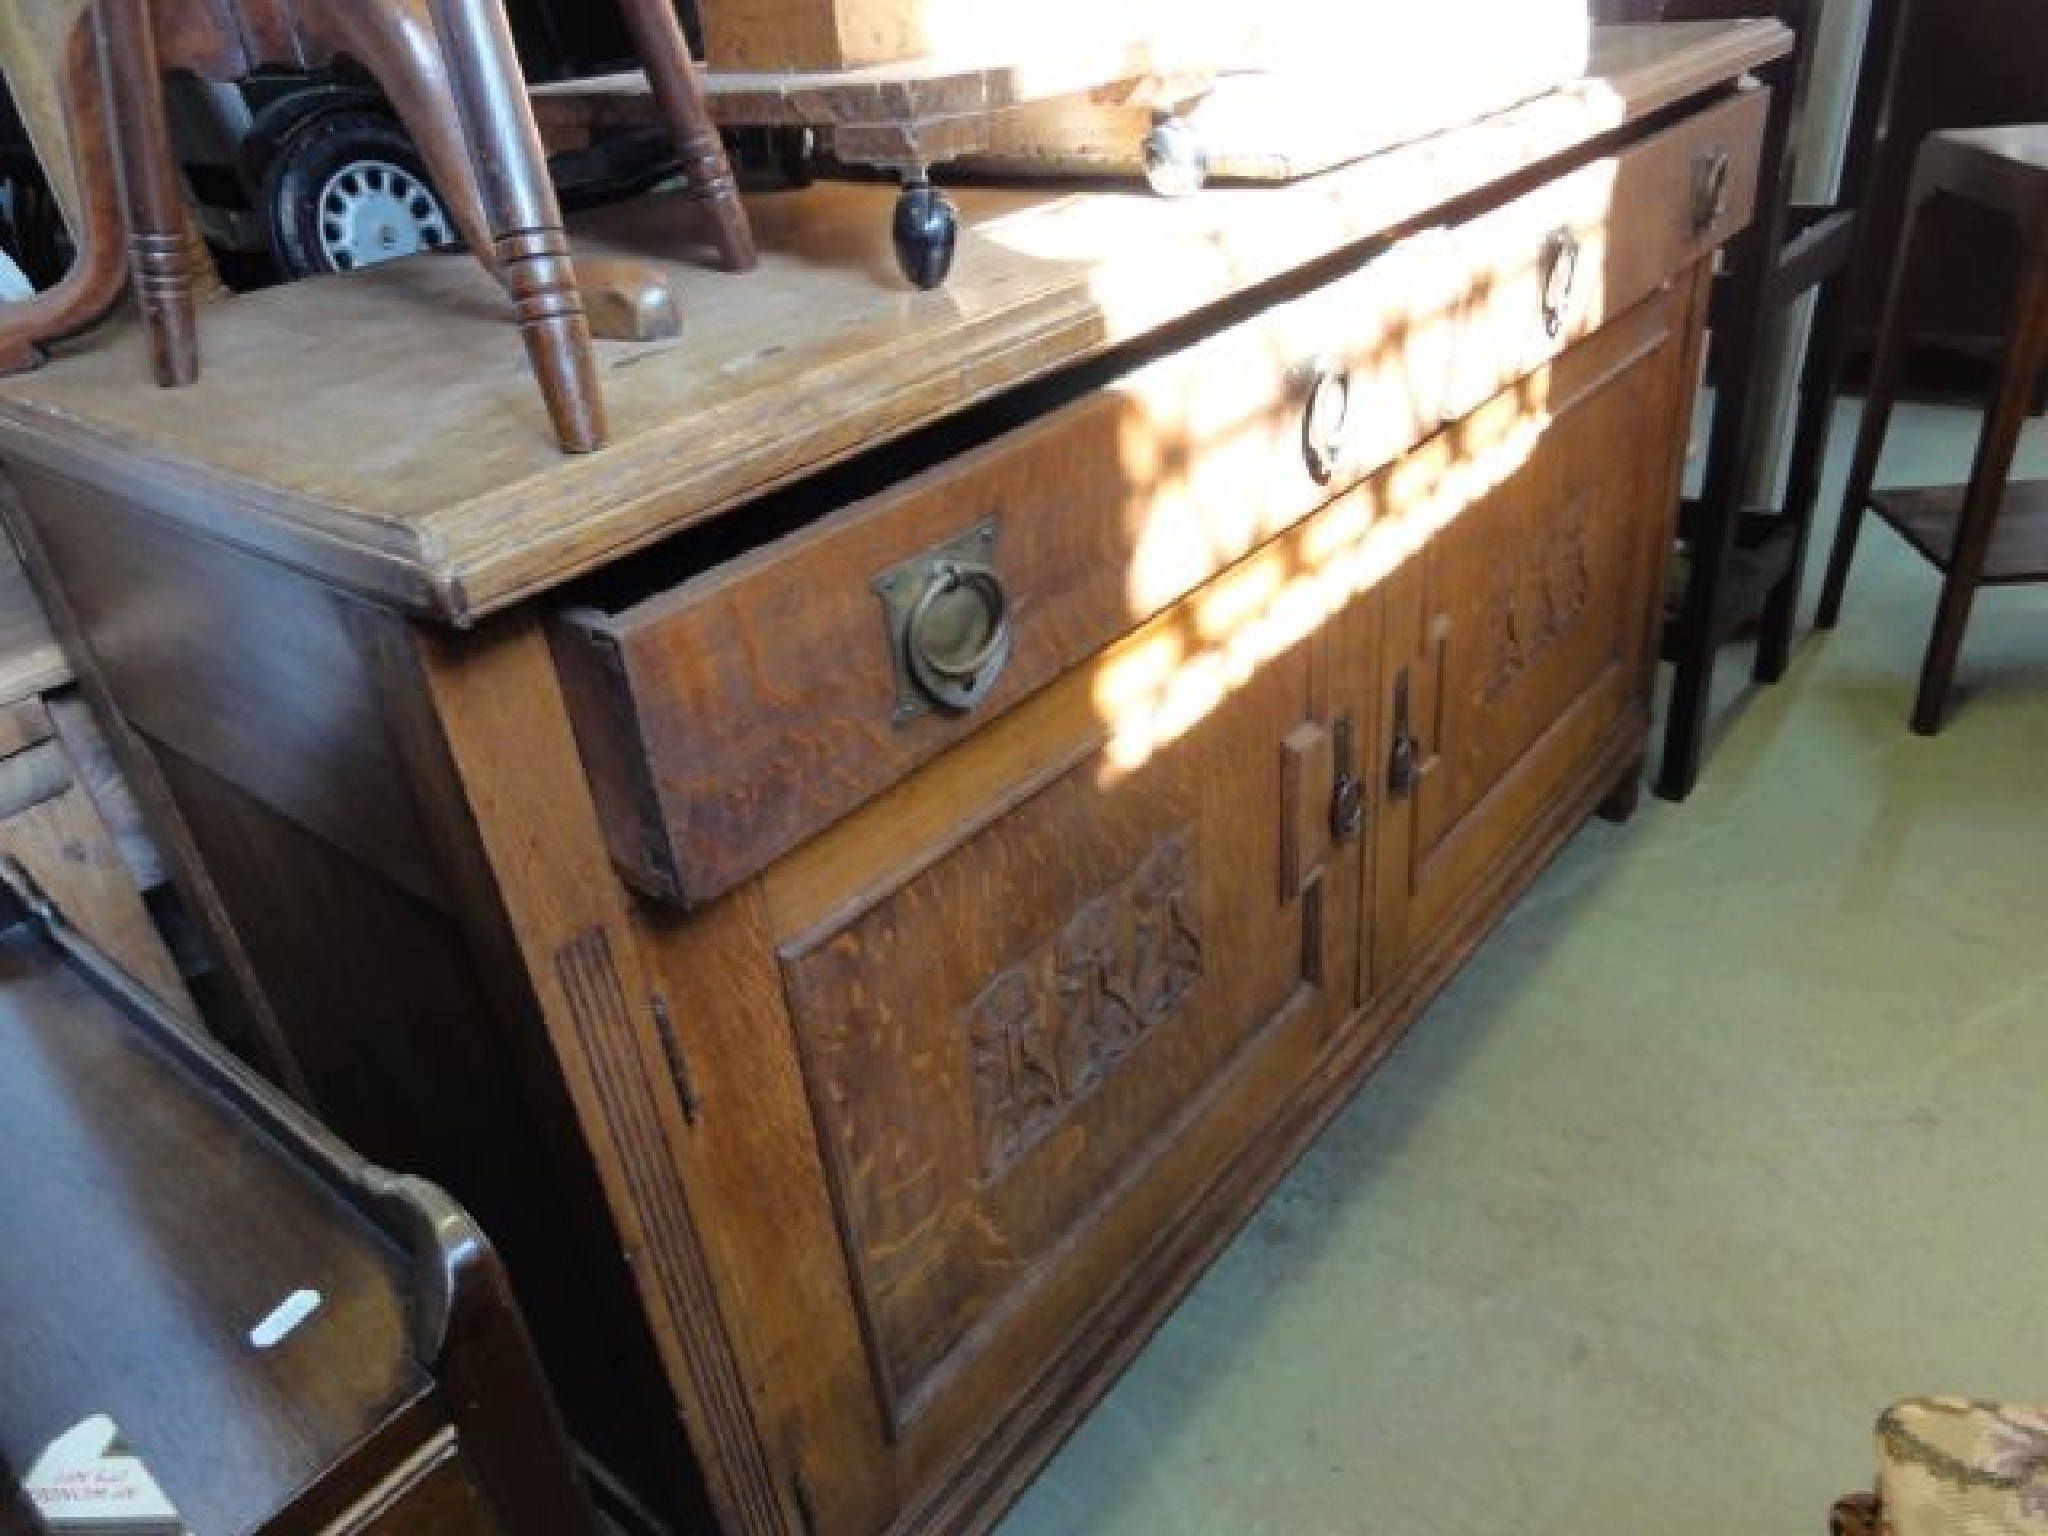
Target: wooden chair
{"type": "Point", "coordinates": [1984, 532]}
{"type": "Point", "coordinates": [1743, 563]}
{"type": "Point", "coordinates": [449, 69]}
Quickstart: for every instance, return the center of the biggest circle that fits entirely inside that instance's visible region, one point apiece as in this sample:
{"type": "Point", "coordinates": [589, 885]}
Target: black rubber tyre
{"type": "Point", "coordinates": [347, 189]}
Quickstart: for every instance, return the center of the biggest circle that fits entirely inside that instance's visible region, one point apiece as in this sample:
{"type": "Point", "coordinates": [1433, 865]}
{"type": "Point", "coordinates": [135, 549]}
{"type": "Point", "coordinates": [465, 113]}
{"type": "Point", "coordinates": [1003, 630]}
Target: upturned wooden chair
{"type": "Point", "coordinates": [448, 68]}
{"type": "Point", "coordinates": [450, 71]}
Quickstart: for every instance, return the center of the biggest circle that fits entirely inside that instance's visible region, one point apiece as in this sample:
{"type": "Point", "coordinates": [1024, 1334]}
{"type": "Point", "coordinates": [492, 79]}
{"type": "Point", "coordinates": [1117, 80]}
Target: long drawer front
{"type": "Point", "coordinates": [727, 720]}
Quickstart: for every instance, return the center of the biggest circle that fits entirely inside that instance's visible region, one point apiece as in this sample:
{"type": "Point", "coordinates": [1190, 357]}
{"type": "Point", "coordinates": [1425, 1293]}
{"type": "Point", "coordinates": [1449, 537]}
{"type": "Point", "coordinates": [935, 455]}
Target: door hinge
{"type": "Point", "coordinates": [678, 1061]}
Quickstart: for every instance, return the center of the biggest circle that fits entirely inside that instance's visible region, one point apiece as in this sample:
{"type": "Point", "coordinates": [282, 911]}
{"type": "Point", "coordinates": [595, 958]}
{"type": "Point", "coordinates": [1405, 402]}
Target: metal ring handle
{"type": "Point", "coordinates": [1710, 172]}
{"type": "Point", "coordinates": [956, 681]}
{"type": "Point", "coordinates": [1323, 421]}
{"type": "Point", "coordinates": [1560, 279]}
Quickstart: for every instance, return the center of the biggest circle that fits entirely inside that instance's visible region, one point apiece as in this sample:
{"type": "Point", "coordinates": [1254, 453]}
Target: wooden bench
{"type": "Point", "coordinates": [285, 1337]}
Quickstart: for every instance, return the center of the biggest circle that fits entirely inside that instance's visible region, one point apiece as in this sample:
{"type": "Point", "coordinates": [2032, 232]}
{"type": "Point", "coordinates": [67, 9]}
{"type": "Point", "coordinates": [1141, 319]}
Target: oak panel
{"type": "Point", "coordinates": [233, 664]}
{"type": "Point", "coordinates": [1529, 651]}
{"type": "Point", "coordinates": [1004, 1042]}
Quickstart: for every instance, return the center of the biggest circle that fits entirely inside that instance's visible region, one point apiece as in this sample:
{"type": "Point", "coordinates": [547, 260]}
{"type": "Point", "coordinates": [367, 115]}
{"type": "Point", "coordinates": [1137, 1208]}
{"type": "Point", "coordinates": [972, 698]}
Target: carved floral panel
{"type": "Point", "coordinates": [1046, 1032]}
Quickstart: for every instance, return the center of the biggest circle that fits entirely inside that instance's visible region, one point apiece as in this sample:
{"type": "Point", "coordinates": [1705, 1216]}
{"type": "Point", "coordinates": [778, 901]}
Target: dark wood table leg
{"type": "Point", "coordinates": [2025, 352]}
{"type": "Point", "coordinates": [1886, 368]}
{"type": "Point", "coordinates": [1719, 514]}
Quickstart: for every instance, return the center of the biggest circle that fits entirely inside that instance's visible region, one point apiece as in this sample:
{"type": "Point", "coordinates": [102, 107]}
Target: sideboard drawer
{"type": "Point", "coordinates": [727, 719]}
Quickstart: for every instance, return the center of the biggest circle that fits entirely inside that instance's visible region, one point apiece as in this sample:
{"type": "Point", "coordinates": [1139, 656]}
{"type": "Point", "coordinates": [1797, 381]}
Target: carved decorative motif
{"type": "Point", "coordinates": [1540, 592]}
{"type": "Point", "coordinates": [1047, 1032]}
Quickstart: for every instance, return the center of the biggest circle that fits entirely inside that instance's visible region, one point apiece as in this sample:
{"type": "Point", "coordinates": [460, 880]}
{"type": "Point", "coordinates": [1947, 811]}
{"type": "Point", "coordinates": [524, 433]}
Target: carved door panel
{"type": "Point", "coordinates": [1525, 623]}
{"type": "Point", "coordinates": [1043, 993]}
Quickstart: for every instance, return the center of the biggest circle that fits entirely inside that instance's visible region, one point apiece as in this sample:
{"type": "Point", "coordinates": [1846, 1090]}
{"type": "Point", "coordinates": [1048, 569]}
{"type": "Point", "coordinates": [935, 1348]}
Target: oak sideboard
{"type": "Point", "coordinates": [863, 884]}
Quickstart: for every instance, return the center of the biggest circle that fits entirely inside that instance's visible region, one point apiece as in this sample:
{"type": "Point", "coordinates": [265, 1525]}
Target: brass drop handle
{"type": "Point", "coordinates": [959, 633]}
{"type": "Point", "coordinates": [1406, 766]}
{"type": "Point", "coordinates": [1347, 795]}
{"type": "Point", "coordinates": [1324, 420]}
{"type": "Point", "coordinates": [1710, 170]}
{"type": "Point", "coordinates": [1560, 278]}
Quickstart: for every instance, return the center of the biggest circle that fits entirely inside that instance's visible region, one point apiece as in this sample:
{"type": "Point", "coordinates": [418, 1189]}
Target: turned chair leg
{"type": "Point", "coordinates": [449, 68]}
{"type": "Point", "coordinates": [160, 259]}
{"type": "Point", "coordinates": [2024, 355]}
{"type": "Point", "coordinates": [1886, 368]}
{"type": "Point", "coordinates": [521, 213]}
{"type": "Point", "coordinates": [672, 73]}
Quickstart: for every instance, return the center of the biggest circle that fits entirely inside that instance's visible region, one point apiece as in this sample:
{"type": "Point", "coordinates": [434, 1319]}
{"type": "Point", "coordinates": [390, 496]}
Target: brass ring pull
{"type": "Point", "coordinates": [959, 633]}
{"type": "Point", "coordinates": [1710, 171]}
{"type": "Point", "coordinates": [1560, 279]}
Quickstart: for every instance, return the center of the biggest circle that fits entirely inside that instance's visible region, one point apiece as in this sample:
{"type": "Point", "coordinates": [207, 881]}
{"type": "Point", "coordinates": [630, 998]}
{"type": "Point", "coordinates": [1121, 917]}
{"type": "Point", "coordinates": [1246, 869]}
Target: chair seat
{"type": "Point", "coordinates": [1950, 1467]}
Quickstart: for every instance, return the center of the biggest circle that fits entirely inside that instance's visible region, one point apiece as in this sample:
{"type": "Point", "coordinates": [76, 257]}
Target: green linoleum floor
{"type": "Point", "coordinates": [1729, 1135]}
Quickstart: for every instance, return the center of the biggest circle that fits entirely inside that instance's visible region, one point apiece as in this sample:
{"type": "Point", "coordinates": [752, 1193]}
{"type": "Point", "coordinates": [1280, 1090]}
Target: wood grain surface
{"type": "Point", "coordinates": [31, 660]}
{"type": "Point", "coordinates": [296, 446]}
{"type": "Point", "coordinates": [718, 743]}
{"type": "Point", "coordinates": [157, 1231]}
{"type": "Point", "coordinates": [886, 1159]}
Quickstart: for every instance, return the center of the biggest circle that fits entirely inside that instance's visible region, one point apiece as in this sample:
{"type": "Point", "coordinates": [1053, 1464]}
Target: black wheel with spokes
{"type": "Point", "coordinates": [347, 189]}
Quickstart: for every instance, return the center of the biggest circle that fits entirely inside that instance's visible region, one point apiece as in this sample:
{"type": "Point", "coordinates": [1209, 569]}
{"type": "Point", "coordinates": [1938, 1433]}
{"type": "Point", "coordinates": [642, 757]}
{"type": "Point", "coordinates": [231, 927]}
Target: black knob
{"type": "Point", "coordinates": [926, 230]}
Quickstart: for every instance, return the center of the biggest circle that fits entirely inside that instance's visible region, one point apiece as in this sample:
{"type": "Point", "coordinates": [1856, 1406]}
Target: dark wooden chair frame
{"type": "Point", "coordinates": [1744, 563]}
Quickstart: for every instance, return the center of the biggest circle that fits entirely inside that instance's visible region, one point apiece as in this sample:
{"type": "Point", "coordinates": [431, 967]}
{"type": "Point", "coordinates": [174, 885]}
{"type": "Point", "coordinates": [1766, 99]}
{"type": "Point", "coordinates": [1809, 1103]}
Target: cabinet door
{"type": "Point", "coordinates": [1519, 646]}
{"type": "Point", "coordinates": [1047, 990]}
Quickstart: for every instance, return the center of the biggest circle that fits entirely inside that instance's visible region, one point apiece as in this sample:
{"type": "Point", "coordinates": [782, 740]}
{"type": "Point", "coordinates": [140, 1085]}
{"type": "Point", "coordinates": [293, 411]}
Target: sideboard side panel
{"type": "Point", "coordinates": [308, 861]}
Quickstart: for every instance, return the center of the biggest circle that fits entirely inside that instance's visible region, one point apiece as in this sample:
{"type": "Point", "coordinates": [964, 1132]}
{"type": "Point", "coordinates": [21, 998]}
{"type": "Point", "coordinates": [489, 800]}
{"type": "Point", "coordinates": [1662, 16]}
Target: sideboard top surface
{"type": "Point", "coordinates": [380, 431]}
